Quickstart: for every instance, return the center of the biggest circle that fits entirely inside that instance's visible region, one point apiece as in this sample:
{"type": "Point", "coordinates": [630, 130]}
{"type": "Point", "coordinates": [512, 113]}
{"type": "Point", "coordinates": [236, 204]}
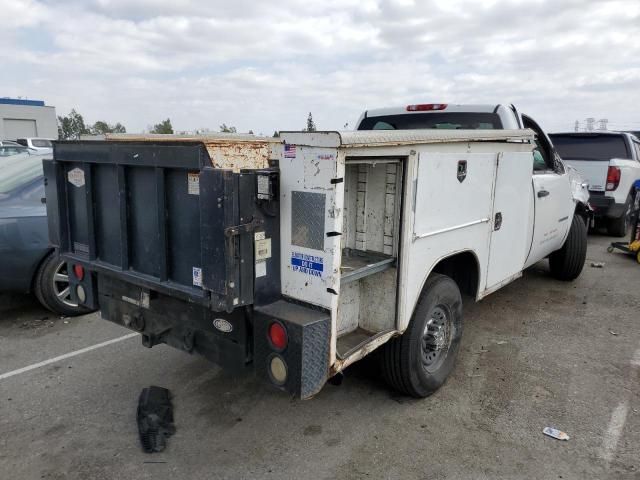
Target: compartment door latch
{"type": "Point", "coordinates": [243, 228]}
{"type": "Point", "coordinates": [497, 222]}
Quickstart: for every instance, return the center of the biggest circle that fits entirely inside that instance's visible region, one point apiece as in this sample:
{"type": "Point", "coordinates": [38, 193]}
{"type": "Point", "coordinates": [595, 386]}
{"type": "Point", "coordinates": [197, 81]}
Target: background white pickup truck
{"type": "Point", "coordinates": [610, 162]}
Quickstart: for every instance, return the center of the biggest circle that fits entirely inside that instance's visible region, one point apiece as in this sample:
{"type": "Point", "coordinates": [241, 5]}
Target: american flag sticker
{"type": "Point", "coordinates": [289, 151]}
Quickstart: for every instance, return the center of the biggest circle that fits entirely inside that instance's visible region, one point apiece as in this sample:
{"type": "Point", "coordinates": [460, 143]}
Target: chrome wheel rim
{"type": "Point", "coordinates": [436, 338]}
{"type": "Point", "coordinates": [61, 286]}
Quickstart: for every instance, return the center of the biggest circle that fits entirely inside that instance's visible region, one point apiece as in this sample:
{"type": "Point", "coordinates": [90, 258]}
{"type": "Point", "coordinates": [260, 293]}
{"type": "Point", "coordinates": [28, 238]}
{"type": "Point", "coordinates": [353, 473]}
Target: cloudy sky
{"type": "Point", "coordinates": [264, 65]}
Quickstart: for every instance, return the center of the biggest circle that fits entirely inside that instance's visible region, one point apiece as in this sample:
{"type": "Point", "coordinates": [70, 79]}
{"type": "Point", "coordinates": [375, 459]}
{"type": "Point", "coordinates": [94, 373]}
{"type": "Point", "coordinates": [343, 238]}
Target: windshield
{"type": "Point", "coordinates": [41, 142]}
{"type": "Point", "coordinates": [19, 170]}
{"type": "Point", "coordinates": [590, 147]}
{"type": "Point", "coordinates": [6, 151]}
{"type": "Point", "coordinates": [440, 120]}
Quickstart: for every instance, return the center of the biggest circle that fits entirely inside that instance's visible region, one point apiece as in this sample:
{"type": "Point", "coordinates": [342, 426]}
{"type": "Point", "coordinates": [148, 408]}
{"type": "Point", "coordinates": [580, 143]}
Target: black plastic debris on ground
{"type": "Point", "coordinates": [155, 418]}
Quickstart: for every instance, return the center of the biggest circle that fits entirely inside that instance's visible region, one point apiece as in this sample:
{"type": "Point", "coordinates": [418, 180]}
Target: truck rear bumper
{"type": "Point", "coordinates": [236, 341]}
{"type": "Point", "coordinates": [220, 337]}
{"type": "Point", "coordinates": [605, 206]}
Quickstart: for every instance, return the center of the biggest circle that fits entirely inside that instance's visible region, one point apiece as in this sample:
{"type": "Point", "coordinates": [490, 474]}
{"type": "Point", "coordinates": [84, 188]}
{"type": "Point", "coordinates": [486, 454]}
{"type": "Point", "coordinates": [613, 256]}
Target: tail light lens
{"type": "Point", "coordinates": [613, 178]}
{"type": "Point", "coordinates": [278, 336]}
{"type": "Point", "coordinates": [426, 107]}
{"type": "Point", "coordinates": [78, 271]}
{"type": "Point", "coordinates": [278, 370]}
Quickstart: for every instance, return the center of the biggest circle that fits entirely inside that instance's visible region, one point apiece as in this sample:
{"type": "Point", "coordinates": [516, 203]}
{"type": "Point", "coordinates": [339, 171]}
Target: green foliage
{"type": "Point", "coordinates": [276, 134]}
{"type": "Point", "coordinates": [70, 127]}
{"type": "Point", "coordinates": [100, 128]}
{"type": "Point", "coordinates": [311, 126]}
{"type": "Point", "coordinates": [162, 127]}
{"type": "Point", "coordinates": [225, 129]}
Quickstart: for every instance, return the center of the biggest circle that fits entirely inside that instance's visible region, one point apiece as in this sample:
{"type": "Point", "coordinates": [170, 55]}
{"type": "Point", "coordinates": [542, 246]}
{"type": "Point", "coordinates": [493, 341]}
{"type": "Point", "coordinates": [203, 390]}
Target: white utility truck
{"type": "Point", "coordinates": [610, 161]}
{"type": "Point", "coordinates": [300, 255]}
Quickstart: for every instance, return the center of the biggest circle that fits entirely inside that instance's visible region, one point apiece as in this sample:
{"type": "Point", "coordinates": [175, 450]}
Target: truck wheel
{"type": "Point", "coordinates": [566, 263]}
{"type": "Point", "coordinates": [618, 227]}
{"type": "Point", "coordinates": [51, 286]}
{"type": "Point", "coordinates": [419, 361]}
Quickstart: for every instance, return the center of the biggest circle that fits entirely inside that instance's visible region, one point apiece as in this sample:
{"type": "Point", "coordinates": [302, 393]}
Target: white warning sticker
{"type": "Point", "coordinates": [76, 177]}
{"type": "Point", "coordinates": [193, 184]}
{"type": "Point", "coordinates": [197, 276]}
{"type": "Point", "coordinates": [261, 268]}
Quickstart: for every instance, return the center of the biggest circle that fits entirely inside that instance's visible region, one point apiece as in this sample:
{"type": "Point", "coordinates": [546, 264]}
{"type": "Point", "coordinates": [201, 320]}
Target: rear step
{"type": "Point", "coordinates": [356, 344]}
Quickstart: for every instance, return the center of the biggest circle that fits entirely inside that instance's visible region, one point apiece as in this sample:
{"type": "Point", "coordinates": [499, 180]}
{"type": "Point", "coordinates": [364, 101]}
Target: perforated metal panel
{"type": "Point", "coordinates": [307, 219]}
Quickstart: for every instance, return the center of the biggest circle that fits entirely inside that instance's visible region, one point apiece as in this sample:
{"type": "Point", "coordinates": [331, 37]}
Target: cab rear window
{"type": "Point", "coordinates": [590, 146]}
{"type": "Point", "coordinates": [41, 142]}
{"type": "Point", "coordinates": [435, 120]}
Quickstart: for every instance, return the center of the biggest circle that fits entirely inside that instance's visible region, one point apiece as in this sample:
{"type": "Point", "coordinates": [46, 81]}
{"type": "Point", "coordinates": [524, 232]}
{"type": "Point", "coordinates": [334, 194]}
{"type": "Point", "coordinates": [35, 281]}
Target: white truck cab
{"type": "Point", "coordinates": [442, 116]}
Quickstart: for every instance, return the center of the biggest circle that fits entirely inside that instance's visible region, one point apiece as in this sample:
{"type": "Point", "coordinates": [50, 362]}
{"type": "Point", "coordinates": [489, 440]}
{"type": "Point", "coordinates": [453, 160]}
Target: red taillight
{"type": "Point", "coordinates": [426, 107]}
{"type": "Point", "coordinates": [278, 336]}
{"type": "Point", "coordinates": [613, 178]}
{"type": "Point", "coordinates": [78, 271]}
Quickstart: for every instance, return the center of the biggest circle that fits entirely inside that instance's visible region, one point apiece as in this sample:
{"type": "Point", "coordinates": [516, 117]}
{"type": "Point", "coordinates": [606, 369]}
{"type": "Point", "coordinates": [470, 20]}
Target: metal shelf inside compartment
{"type": "Point", "coordinates": [357, 264]}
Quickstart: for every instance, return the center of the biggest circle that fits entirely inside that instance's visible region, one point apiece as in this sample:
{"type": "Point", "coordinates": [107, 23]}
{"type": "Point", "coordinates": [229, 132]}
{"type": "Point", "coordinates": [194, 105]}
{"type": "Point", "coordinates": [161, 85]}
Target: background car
{"type": "Point", "coordinates": [8, 147]}
{"type": "Point", "coordinates": [38, 144]}
{"type": "Point", "coordinates": [27, 262]}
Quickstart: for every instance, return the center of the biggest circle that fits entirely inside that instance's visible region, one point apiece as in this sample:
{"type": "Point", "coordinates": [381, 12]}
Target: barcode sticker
{"type": "Point", "coordinates": [193, 184]}
{"type": "Point", "coordinates": [263, 249]}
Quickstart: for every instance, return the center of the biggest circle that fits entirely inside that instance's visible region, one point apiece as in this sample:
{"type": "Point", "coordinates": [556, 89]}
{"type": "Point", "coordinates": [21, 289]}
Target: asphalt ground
{"type": "Point", "coordinates": [537, 353]}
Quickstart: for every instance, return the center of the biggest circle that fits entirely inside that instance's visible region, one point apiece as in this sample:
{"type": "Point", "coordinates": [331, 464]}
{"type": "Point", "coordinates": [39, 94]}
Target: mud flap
{"type": "Point", "coordinates": [155, 419]}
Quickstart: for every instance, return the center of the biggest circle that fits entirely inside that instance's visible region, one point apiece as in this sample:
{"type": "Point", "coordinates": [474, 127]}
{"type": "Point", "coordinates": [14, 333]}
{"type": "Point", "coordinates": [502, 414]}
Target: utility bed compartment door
{"type": "Point", "coordinates": [512, 219]}
{"type": "Point", "coordinates": [454, 190]}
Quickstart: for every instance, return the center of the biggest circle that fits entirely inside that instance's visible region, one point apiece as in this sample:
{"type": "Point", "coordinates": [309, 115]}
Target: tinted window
{"type": "Point", "coordinates": [440, 120]}
{"type": "Point", "coordinates": [38, 142]}
{"type": "Point", "coordinates": [18, 170]}
{"type": "Point", "coordinates": [22, 141]}
{"type": "Point", "coordinates": [590, 147]}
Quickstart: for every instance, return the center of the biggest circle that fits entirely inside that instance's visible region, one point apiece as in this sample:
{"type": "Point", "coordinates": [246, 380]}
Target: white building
{"type": "Point", "coordinates": [27, 118]}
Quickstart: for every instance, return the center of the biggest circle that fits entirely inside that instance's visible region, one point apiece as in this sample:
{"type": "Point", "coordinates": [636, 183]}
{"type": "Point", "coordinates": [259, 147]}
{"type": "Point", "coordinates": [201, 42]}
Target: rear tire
{"type": "Point", "coordinates": [618, 227]}
{"type": "Point", "coordinates": [419, 361]}
{"type": "Point", "coordinates": [49, 288]}
{"type": "Point", "coordinates": [567, 263]}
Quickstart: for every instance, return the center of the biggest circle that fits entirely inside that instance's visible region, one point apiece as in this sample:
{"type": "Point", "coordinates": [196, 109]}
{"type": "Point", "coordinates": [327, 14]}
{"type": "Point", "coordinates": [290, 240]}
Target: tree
{"type": "Point", "coordinates": [276, 134]}
{"type": "Point", "coordinates": [311, 126]}
{"type": "Point", "coordinates": [100, 128]}
{"type": "Point", "coordinates": [162, 127]}
{"type": "Point", "coordinates": [70, 127]}
{"type": "Point", "coordinates": [225, 129]}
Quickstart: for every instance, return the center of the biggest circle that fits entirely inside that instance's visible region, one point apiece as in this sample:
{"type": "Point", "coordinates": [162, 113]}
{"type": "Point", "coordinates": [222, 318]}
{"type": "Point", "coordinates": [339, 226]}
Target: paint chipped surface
{"type": "Point", "coordinates": [227, 151]}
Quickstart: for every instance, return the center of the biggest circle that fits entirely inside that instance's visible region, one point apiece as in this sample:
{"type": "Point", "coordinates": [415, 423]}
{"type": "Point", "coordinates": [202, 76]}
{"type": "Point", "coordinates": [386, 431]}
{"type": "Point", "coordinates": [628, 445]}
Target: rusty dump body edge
{"type": "Point", "coordinates": [227, 151]}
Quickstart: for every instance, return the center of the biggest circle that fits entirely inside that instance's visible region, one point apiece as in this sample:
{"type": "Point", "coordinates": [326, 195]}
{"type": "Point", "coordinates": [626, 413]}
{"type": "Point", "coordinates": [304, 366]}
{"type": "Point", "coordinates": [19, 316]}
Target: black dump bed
{"type": "Point", "coordinates": [160, 216]}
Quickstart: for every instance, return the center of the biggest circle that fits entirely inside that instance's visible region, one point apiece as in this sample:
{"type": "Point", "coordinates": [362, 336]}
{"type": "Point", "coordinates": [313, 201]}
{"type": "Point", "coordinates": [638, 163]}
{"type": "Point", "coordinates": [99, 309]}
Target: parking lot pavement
{"type": "Point", "coordinates": [537, 353]}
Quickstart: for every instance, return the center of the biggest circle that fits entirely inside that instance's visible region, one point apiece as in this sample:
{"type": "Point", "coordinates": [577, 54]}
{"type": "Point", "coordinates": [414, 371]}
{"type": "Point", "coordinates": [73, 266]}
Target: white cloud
{"type": "Point", "coordinates": [263, 66]}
